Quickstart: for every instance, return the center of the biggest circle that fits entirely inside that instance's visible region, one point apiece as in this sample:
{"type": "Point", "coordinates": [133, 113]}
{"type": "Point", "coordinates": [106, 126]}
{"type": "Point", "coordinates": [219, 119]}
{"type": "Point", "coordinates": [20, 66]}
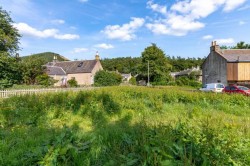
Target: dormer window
{"type": "Point", "coordinates": [80, 64]}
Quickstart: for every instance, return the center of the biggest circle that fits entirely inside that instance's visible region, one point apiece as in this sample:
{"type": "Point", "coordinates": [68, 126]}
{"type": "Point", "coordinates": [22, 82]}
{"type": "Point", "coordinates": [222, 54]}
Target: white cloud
{"type": "Point", "coordinates": [66, 36]}
{"type": "Point", "coordinates": [80, 50]}
{"type": "Point", "coordinates": [58, 21]}
{"type": "Point", "coordinates": [104, 46]}
{"type": "Point", "coordinates": [184, 16]}
{"type": "Point", "coordinates": [242, 22]}
{"type": "Point", "coordinates": [207, 37]}
{"type": "Point", "coordinates": [156, 7]}
{"type": "Point", "coordinates": [27, 30]}
{"type": "Point", "coordinates": [227, 41]}
{"type": "Point", "coordinates": [232, 4]}
{"type": "Point", "coordinates": [176, 25]}
{"type": "Point", "coordinates": [124, 32]}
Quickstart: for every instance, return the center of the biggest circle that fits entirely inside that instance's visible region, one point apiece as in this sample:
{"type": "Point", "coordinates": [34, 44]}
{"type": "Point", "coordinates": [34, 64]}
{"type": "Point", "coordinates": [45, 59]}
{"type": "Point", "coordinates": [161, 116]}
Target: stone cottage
{"type": "Point", "coordinates": [82, 71]}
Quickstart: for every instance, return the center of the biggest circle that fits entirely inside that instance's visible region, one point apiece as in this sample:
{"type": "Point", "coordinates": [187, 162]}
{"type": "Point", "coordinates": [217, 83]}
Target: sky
{"type": "Point", "coordinates": [77, 29]}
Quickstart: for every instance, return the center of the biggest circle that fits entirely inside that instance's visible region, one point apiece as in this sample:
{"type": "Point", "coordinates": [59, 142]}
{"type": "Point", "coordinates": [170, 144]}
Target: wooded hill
{"type": "Point", "coordinates": [46, 56]}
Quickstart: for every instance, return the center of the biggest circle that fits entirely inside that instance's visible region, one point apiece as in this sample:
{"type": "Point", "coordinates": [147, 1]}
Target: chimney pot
{"type": "Point", "coordinates": [97, 57]}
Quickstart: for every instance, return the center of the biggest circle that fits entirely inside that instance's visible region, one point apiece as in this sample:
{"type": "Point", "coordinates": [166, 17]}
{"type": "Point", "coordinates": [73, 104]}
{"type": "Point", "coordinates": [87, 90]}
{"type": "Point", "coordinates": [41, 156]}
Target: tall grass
{"type": "Point", "coordinates": [125, 126]}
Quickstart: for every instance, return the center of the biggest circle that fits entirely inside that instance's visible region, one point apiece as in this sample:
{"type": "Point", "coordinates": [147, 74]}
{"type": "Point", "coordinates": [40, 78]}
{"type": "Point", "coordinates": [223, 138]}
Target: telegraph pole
{"type": "Point", "coordinates": [148, 73]}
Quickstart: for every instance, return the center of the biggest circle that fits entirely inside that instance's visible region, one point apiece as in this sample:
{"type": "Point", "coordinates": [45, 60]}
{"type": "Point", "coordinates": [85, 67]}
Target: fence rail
{"type": "Point", "coordinates": [9, 93]}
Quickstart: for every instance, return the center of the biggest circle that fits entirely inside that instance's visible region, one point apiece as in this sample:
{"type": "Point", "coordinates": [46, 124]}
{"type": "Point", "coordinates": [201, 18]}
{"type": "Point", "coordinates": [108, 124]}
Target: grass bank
{"type": "Point", "coordinates": [125, 126]}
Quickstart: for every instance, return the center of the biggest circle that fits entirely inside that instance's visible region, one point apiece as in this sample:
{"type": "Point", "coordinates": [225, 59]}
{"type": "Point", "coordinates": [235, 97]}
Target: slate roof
{"type": "Point", "coordinates": [236, 55]}
{"type": "Point", "coordinates": [184, 72]}
{"type": "Point", "coordinates": [72, 67]}
{"type": "Point", "coordinates": [54, 70]}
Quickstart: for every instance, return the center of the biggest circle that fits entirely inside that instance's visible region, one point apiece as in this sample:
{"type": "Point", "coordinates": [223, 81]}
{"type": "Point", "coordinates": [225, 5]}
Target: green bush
{"type": "Point", "coordinates": [185, 81]}
{"type": "Point", "coordinates": [5, 83]}
{"type": "Point", "coordinates": [45, 80]}
{"type": "Point", "coordinates": [132, 81]}
{"type": "Point", "coordinates": [105, 78]}
{"type": "Point", "coordinates": [72, 82]}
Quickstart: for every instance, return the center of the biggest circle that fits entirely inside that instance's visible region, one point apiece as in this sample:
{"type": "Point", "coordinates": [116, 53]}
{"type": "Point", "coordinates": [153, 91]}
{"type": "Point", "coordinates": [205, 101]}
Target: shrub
{"type": "Point", "coordinates": [45, 80]}
{"type": "Point", "coordinates": [105, 78]}
{"type": "Point", "coordinates": [132, 81]}
{"type": "Point", "coordinates": [5, 84]}
{"type": "Point", "coordinates": [72, 82]}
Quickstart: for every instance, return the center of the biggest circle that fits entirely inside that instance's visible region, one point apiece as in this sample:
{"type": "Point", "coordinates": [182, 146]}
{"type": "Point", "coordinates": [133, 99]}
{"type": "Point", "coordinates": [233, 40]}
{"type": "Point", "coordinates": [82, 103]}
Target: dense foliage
{"type": "Point", "coordinates": [45, 80]}
{"type": "Point", "coordinates": [72, 82]}
{"type": "Point", "coordinates": [178, 63]}
{"type": "Point", "coordinates": [125, 126]}
{"type": "Point", "coordinates": [133, 65]}
{"type": "Point", "coordinates": [9, 36]}
{"type": "Point", "coordinates": [46, 57]}
{"type": "Point", "coordinates": [31, 68]}
{"type": "Point", "coordinates": [155, 62]}
{"type": "Point", "coordinates": [9, 71]}
{"type": "Point", "coordinates": [105, 78]}
{"type": "Point", "coordinates": [123, 65]}
{"type": "Point", "coordinates": [239, 45]}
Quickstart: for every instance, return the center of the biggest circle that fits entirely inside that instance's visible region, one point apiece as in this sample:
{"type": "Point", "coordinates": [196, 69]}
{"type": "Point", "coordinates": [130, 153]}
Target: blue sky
{"type": "Point", "coordinates": [77, 29]}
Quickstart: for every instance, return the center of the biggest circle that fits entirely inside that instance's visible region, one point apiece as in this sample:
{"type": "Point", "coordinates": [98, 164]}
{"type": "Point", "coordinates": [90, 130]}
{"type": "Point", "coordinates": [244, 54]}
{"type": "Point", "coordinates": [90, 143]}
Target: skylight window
{"type": "Point", "coordinates": [80, 64]}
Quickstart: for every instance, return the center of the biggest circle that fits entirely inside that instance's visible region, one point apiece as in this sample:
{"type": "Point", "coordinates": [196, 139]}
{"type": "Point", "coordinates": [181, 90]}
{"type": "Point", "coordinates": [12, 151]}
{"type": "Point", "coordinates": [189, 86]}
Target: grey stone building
{"type": "Point", "coordinates": [227, 66]}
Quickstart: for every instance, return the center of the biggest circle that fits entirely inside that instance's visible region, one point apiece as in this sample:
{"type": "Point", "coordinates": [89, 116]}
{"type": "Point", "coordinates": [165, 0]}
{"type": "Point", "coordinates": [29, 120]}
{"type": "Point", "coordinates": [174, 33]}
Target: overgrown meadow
{"type": "Point", "coordinates": [125, 126]}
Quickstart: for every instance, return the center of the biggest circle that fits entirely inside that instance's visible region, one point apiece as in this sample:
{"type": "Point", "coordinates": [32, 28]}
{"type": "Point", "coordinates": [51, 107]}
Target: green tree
{"type": "Point", "coordinates": [45, 80]}
{"type": "Point", "coordinates": [239, 45]}
{"type": "Point", "coordinates": [9, 36]}
{"type": "Point", "coordinates": [31, 68]}
{"type": "Point", "coordinates": [132, 81]}
{"type": "Point", "coordinates": [9, 71]}
{"type": "Point", "coordinates": [105, 78]}
{"type": "Point", "coordinates": [9, 68]}
{"type": "Point", "coordinates": [159, 65]}
{"type": "Point", "coordinates": [242, 45]}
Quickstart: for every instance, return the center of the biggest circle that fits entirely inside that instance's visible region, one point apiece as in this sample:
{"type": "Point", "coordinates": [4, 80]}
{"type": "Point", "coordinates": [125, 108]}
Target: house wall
{"type": "Point", "coordinates": [243, 71]}
{"type": "Point", "coordinates": [232, 71]}
{"type": "Point", "coordinates": [238, 71]}
{"type": "Point", "coordinates": [214, 69]}
{"type": "Point", "coordinates": [58, 78]}
{"type": "Point", "coordinates": [81, 78]}
{"type": "Point", "coordinates": [86, 78]}
{"type": "Point", "coordinates": [97, 68]}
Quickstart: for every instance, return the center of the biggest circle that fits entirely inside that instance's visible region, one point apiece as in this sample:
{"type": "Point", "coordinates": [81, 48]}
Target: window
{"type": "Point", "coordinates": [233, 88]}
{"type": "Point", "coordinates": [242, 88]}
{"type": "Point", "coordinates": [219, 86]}
{"type": "Point", "coordinates": [80, 64]}
{"type": "Point", "coordinates": [227, 87]}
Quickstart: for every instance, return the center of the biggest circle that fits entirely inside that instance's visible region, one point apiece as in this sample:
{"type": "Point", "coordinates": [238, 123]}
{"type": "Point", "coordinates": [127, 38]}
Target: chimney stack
{"type": "Point", "coordinates": [54, 60]}
{"type": "Point", "coordinates": [97, 57]}
{"type": "Point", "coordinates": [214, 47]}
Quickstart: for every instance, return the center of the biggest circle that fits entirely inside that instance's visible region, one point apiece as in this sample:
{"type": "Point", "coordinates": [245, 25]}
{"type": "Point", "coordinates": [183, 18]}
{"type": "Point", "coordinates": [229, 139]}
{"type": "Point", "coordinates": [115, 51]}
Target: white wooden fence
{"type": "Point", "coordinates": [9, 93]}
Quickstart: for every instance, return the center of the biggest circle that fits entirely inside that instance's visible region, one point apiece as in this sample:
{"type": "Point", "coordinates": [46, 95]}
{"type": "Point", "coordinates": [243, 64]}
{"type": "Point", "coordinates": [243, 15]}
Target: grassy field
{"type": "Point", "coordinates": [125, 126]}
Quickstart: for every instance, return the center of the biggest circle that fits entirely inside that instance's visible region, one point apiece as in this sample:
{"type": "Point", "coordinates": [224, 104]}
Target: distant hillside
{"type": "Point", "coordinates": [46, 56]}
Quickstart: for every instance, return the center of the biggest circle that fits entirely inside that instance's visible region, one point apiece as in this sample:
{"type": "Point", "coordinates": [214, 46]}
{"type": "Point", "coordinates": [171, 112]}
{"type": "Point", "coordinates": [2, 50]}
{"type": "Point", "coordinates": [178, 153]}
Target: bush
{"type": "Point", "coordinates": [5, 84]}
{"type": "Point", "coordinates": [188, 82]}
{"type": "Point", "coordinates": [72, 82]}
{"type": "Point", "coordinates": [45, 80]}
{"type": "Point", "coordinates": [132, 81]}
{"type": "Point", "coordinates": [105, 78]}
